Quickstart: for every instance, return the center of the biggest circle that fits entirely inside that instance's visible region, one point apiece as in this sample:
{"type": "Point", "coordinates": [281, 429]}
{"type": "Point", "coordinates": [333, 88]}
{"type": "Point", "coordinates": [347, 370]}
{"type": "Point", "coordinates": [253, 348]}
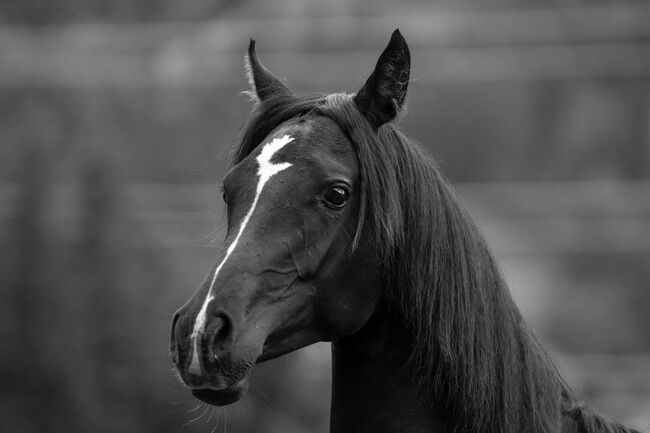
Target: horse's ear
{"type": "Point", "coordinates": [263, 83]}
{"type": "Point", "coordinates": [382, 97]}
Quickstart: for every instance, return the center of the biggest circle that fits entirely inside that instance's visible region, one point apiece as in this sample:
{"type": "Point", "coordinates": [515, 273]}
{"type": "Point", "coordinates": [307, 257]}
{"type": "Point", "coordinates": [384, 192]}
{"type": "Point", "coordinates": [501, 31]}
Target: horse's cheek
{"type": "Point", "coordinates": [348, 307]}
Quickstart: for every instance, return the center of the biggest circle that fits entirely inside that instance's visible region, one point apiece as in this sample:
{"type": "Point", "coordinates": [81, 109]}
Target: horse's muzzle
{"type": "Point", "coordinates": [204, 362]}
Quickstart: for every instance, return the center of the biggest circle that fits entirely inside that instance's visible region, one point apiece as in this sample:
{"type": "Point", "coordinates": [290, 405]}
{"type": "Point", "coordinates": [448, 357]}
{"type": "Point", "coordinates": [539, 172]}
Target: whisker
{"type": "Point", "coordinates": [258, 393]}
{"type": "Point", "coordinates": [212, 411]}
{"type": "Point", "coordinates": [198, 406]}
{"type": "Point", "coordinates": [193, 420]}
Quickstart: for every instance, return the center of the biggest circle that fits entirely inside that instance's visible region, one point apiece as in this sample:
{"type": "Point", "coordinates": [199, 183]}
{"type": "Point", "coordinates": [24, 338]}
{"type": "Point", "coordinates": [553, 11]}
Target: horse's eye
{"type": "Point", "coordinates": [336, 197]}
{"type": "Point", "coordinates": [225, 197]}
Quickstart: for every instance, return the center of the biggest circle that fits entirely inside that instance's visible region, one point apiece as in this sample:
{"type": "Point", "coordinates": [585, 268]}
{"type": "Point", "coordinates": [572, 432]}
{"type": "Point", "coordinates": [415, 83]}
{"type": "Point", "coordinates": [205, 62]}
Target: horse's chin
{"type": "Point", "coordinates": [280, 343]}
{"type": "Point", "coordinates": [222, 397]}
{"type": "Point", "coordinates": [272, 354]}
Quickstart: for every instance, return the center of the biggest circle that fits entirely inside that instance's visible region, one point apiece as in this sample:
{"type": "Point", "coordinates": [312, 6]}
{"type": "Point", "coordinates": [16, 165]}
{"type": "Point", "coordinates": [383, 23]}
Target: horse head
{"type": "Point", "coordinates": [296, 267]}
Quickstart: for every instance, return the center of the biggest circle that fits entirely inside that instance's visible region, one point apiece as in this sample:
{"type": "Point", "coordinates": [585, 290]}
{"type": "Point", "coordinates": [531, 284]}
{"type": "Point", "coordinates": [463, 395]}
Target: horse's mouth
{"type": "Point", "coordinates": [222, 397]}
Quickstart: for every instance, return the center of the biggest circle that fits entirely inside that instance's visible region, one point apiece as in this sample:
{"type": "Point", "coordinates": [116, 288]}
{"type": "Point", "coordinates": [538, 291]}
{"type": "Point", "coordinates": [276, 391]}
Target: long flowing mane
{"type": "Point", "coordinates": [471, 347]}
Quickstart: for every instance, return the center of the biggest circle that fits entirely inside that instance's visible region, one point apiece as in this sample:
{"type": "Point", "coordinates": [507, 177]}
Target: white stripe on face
{"type": "Point", "coordinates": [265, 171]}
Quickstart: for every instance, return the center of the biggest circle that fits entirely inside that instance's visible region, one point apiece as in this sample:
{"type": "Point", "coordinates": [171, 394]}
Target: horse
{"type": "Point", "coordinates": [341, 229]}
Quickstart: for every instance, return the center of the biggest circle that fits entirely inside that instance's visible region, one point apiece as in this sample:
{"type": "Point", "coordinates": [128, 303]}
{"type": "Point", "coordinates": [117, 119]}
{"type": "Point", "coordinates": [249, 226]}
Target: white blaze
{"type": "Point", "coordinates": [265, 171]}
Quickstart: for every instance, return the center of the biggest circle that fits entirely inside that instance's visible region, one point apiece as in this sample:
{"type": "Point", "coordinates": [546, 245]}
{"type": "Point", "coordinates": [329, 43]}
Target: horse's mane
{"type": "Point", "coordinates": [471, 347]}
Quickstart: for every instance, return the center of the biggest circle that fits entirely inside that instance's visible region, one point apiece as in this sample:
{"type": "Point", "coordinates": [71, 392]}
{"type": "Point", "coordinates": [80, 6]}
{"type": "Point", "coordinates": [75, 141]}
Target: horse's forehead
{"type": "Point", "coordinates": [314, 144]}
{"type": "Point", "coordinates": [312, 136]}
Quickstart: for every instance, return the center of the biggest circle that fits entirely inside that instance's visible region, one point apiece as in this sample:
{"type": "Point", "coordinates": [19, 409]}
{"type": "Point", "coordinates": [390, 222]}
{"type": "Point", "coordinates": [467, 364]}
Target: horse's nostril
{"type": "Point", "coordinates": [173, 344]}
{"type": "Point", "coordinates": [219, 335]}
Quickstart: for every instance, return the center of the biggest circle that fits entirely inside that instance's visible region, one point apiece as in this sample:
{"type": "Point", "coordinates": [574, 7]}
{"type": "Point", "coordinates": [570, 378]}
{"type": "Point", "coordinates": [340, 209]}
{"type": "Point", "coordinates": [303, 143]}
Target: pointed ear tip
{"type": "Point", "coordinates": [251, 46]}
{"type": "Point", "coordinates": [397, 34]}
{"type": "Point", "coordinates": [398, 38]}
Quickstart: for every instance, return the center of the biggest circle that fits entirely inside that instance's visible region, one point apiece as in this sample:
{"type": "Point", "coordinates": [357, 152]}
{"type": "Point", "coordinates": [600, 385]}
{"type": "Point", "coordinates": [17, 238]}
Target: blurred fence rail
{"type": "Point", "coordinates": [608, 371]}
{"type": "Point", "coordinates": [512, 45]}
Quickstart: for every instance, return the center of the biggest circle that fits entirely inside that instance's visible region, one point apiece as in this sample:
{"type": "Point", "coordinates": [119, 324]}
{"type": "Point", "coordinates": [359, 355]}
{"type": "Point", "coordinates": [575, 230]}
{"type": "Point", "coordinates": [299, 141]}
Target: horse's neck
{"type": "Point", "coordinates": [371, 391]}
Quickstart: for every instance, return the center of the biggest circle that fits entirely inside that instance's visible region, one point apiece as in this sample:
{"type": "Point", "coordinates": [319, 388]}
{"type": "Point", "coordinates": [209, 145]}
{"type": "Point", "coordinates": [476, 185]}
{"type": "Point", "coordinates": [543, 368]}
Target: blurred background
{"type": "Point", "coordinates": [116, 123]}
